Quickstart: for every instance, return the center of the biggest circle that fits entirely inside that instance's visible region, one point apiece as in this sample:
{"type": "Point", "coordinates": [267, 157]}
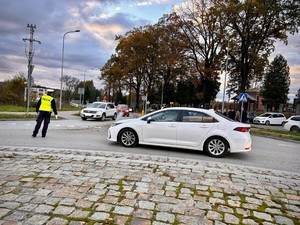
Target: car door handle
{"type": "Point", "coordinates": [203, 126]}
{"type": "Point", "coordinates": [172, 125]}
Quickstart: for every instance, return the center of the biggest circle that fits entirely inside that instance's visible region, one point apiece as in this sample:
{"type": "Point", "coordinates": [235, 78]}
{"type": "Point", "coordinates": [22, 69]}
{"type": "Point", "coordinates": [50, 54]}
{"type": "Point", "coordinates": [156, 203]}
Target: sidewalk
{"type": "Point", "coordinates": [69, 187]}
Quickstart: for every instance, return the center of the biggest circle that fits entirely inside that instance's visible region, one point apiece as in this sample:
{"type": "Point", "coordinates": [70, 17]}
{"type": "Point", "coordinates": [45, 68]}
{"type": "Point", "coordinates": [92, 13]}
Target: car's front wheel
{"type": "Point", "coordinates": [83, 118]}
{"type": "Point", "coordinates": [103, 117]}
{"type": "Point", "coordinates": [216, 147]}
{"type": "Point", "coordinates": [295, 129]}
{"type": "Point", "coordinates": [128, 138]}
{"type": "Point", "coordinates": [267, 123]}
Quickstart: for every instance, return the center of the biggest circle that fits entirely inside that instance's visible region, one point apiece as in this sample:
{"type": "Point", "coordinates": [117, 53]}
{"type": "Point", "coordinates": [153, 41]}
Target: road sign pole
{"type": "Point", "coordinates": [242, 111]}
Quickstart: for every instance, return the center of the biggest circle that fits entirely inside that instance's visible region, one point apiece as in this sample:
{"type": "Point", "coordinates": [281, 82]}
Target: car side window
{"type": "Point", "coordinates": [197, 117]}
{"type": "Point", "coordinates": [165, 116]}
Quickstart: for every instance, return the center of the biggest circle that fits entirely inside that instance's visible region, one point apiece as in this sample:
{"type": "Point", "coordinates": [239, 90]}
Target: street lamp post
{"type": "Point", "coordinates": [62, 65]}
{"type": "Point", "coordinates": [162, 94]}
{"type": "Point", "coordinates": [84, 81]}
{"type": "Point", "coordinates": [226, 68]}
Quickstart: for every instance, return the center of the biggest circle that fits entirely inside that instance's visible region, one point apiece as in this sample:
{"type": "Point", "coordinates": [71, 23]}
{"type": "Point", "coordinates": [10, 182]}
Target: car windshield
{"type": "Point", "coordinates": [97, 105]}
{"type": "Point", "coordinates": [265, 115]}
{"type": "Point", "coordinates": [123, 106]}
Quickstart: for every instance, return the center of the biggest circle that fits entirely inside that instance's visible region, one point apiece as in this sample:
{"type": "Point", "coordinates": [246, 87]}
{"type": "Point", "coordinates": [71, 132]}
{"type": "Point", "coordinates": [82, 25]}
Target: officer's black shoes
{"type": "Point", "coordinates": [33, 135]}
{"type": "Point", "coordinates": [44, 135]}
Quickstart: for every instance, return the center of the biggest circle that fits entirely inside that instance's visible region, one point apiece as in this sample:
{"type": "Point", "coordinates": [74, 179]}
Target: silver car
{"type": "Point", "coordinates": [99, 111]}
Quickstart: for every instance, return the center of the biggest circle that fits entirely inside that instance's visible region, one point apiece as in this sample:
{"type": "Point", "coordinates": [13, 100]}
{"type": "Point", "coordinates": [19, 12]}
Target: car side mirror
{"type": "Point", "coordinates": [149, 119]}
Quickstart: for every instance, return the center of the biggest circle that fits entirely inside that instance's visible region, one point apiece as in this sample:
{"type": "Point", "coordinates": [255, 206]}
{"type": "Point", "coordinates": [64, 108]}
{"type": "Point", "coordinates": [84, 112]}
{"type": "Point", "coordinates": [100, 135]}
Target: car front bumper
{"type": "Point", "coordinates": [90, 115]}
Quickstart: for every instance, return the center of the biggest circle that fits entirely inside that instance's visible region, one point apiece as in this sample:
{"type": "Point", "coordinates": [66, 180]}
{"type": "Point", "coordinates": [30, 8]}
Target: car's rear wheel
{"type": "Point", "coordinates": [128, 138]}
{"type": "Point", "coordinates": [103, 117]}
{"type": "Point", "coordinates": [216, 147]}
{"type": "Point", "coordinates": [115, 116]}
{"type": "Point", "coordinates": [267, 123]}
{"type": "Point", "coordinates": [295, 129]}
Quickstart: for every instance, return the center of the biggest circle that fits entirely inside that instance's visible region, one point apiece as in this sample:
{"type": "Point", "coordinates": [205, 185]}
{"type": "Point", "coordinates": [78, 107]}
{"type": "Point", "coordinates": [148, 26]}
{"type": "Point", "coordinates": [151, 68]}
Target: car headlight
{"type": "Point", "coordinates": [115, 124]}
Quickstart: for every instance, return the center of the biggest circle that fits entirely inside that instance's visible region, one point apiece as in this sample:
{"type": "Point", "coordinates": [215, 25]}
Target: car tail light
{"type": "Point", "coordinates": [242, 129]}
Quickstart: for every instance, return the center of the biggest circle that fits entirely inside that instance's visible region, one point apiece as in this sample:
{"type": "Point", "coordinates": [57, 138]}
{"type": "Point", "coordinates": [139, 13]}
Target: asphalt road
{"type": "Point", "coordinates": [74, 133]}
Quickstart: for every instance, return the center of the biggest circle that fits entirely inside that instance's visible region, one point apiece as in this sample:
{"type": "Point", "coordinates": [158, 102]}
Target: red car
{"type": "Point", "coordinates": [124, 109]}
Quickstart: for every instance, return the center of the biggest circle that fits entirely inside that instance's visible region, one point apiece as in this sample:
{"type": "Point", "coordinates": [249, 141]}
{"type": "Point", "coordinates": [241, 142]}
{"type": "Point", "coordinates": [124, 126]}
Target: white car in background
{"type": "Point", "coordinates": [270, 118]}
{"type": "Point", "coordinates": [292, 124]}
{"type": "Point", "coordinates": [183, 127]}
{"type": "Point", "coordinates": [99, 111]}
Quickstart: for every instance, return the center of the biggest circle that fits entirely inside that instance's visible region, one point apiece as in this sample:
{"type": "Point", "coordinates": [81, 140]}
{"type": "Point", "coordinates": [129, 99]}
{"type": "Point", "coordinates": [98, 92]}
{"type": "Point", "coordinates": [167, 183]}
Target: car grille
{"type": "Point", "coordinates": [89, 111]}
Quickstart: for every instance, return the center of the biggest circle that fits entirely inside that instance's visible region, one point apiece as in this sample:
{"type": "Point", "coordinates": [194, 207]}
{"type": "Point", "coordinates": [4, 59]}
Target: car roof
{"type": "Point", "coordinates": [209, 111]}
{"type": "Point", "coordinates": [103, 102]}
{"type": "Point", "coordinates": [271, 113]}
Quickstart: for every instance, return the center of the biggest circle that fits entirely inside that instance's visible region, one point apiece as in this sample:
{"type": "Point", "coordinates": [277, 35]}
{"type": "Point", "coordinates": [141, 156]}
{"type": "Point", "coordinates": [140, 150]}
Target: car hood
{"type": "Point", "coordinates": [125, 121]}
{"type": "Point", "coordinates": [95, 109]}
{"type": "Point", "coordinates": [260, 117]}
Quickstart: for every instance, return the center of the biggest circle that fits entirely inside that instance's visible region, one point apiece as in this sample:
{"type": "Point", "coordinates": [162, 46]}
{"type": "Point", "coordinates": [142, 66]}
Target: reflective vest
{"type": "Point", "coordinates": [46, 103]}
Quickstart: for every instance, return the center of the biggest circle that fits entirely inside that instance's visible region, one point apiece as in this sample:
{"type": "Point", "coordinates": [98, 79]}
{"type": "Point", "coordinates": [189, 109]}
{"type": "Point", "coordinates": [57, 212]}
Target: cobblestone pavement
{"type": "Point", "coordinates": [61, 186]}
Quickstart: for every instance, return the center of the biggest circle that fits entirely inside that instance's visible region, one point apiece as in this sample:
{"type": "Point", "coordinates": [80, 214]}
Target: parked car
{"type": "Point", "coordinates": [123, 109]}
{"type": "Point", "coordinates": [99, 111]}
{"type": "Point", "coordinates": [184, 127]}
{"type": "Point", "coordinates": [270, 118]}
{"type": "Point", "coordinates": [250, 117]}
{"type": "Point", "coordinates": [292, 123]}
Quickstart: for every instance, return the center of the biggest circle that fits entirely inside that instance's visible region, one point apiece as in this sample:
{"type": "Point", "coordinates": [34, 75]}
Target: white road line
{"type": "Point", "coordinates": [293, 146]}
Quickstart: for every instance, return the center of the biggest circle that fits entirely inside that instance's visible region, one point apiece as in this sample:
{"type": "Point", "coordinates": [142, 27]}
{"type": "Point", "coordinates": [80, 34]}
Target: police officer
{"type": "Point", "coordinates": [44, 107]}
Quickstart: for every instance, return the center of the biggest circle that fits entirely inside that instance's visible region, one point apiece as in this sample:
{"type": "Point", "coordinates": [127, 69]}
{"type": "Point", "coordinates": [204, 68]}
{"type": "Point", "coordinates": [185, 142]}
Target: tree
{"type": "Point", "coordinates": [71, 83]}
{"type": "Point", "coordinates": [91, 93]}
{"type": "Point", "coordinates": [12, 91]}
{"type": "Point", "coordinates": [276, 83]}
{"type": "Point", "coordinates": [252, 29]}
{"type": "Point", "coordinates": [203, 28]}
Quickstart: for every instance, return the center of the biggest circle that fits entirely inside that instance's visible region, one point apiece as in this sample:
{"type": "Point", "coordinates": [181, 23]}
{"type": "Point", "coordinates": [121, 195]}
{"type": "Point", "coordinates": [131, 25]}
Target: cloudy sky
{"type": "Point", "coordinates": [98, 22]}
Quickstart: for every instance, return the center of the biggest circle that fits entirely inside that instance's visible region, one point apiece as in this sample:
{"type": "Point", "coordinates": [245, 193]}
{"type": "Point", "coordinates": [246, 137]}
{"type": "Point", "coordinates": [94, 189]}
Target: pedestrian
{"type": "Point", "coordinates": [231, 114]}
{"type": "Point", "coordinates": [237, 115]}
{"type": "Point", "coordinates": [225, 112]}
{"type": "Point", "coordinates": [244, 116]}
{"type": "Point", "coordinates": [44, 107]}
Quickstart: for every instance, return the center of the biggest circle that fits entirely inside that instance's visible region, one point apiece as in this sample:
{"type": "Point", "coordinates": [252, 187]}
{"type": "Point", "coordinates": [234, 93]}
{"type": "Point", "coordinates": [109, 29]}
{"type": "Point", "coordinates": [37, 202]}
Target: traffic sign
{"type": "Point", "coordinates": [243, 97]}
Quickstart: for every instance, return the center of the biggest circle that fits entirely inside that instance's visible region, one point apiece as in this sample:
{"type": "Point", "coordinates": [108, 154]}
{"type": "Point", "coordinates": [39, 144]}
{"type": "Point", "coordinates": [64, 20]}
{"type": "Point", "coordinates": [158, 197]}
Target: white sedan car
{"type": "Point", "coordinates": [183, 127]}
{"type": "Point", "coordinates": [292, 124]}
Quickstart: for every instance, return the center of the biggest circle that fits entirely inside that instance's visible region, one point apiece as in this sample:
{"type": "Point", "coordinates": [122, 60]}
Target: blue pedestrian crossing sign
{"type": "Point", "coordinates": [243, 97]}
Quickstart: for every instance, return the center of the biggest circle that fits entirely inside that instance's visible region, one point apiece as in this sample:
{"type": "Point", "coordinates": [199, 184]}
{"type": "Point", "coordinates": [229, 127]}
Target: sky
{"type": "Point", "coordinates": [99, 21]}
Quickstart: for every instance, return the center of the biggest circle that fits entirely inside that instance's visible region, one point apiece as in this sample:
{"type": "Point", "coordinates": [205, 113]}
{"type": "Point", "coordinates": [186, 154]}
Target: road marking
{"type": "Point", "coordinates": [293, 146]}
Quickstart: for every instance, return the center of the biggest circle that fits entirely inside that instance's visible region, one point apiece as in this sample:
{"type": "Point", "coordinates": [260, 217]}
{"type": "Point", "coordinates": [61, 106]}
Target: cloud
{"type": "Point", "coordinates": [99, 22]}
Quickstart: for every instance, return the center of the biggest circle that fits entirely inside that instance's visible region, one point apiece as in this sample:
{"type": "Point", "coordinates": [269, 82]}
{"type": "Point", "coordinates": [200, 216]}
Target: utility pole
{"type": "Point", "coordinates": [29, 55]}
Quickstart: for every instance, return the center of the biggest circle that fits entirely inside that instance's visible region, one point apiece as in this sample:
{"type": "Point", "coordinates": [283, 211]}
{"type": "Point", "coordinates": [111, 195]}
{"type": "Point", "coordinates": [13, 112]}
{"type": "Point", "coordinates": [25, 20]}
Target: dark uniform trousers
{"type": "Point", "coordinates": [43, 116]}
